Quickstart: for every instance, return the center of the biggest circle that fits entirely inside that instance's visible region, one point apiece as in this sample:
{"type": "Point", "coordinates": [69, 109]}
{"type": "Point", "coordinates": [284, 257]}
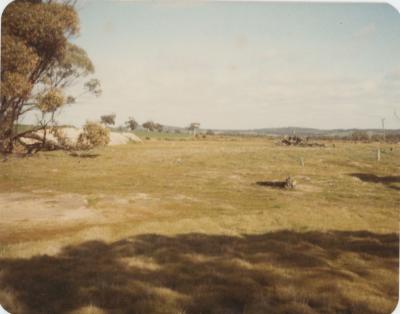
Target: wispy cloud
{"type": "Point", "coordinates": [244, 65]}
{"type": "Point", "coordinates": [366, 31]}
{"type": "Point", "coordinates": [394, 76]}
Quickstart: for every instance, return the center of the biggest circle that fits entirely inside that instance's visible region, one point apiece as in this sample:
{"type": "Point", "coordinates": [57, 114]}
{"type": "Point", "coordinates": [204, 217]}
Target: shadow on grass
{"type": "Point", "coordinates": [279, 272]}
{"type": "Point", "coordinates": [84, 155]}
{"type": "Point", "coordinates": [388, 181]}
{"type": "Point", "coordinates": [272, 184]}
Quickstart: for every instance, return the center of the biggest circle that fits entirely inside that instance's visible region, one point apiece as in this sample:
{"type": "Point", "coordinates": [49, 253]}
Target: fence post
{"type": "Point", "coordinates": [378, 154]}
{"type": "Point", "coordinates": [302, 161]}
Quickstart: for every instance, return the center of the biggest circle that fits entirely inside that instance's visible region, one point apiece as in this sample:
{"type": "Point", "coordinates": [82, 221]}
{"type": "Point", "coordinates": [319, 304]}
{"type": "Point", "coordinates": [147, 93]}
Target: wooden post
{"type": "Point", "coordinates": [302, 161]}
{"type": "Point", "coordinates": [378, 154]}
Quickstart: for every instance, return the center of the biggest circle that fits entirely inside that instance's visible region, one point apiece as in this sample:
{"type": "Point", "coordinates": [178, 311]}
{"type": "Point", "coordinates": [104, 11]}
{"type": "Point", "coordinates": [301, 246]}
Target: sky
{"type": "Point", "coordinates": [242, 65]}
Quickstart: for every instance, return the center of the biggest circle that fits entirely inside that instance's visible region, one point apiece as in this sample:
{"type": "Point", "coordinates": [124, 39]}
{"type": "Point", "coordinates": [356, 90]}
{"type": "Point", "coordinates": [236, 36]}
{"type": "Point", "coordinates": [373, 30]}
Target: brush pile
{"type": "Point", "coordinates": [295, 140]}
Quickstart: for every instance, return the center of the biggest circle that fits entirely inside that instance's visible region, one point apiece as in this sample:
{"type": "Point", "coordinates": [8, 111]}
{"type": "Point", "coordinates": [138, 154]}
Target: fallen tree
{"type": "Point", "coordinates": [92, 135]}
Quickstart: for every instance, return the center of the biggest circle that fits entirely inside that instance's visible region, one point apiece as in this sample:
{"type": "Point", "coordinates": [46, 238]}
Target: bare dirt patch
{"type": "Point", "coordinates": [33, 208]}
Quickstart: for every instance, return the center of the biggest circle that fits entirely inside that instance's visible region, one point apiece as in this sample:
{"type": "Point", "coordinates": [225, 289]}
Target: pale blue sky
{"type": "Point", "coordinates": [242, 64]}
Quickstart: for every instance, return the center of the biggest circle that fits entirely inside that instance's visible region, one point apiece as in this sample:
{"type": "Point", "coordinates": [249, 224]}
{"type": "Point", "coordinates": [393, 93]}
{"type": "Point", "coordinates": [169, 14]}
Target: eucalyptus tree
{"type": "Point", "coordinates": [38, 64]}
{"type": "Point", "coordinates": [108, 119]}
{"type": "Point", "coordinates": [132, 124]}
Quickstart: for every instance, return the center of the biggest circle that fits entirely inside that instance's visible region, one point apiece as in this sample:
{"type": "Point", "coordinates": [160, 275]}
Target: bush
{"type": "Point", "coordinates": [93, 135]}
{"type": "Point", "coordinates": [61, 138]}
{"type": "Point", "coordinates": [108, 119]}
{"type": "Point", "coordinates": [359, 136]}
{"type": "Point", "coordinates": [210, 132]}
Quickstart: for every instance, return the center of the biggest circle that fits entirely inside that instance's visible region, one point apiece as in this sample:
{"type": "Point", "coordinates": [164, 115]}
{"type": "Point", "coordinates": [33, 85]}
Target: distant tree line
{"type": "Point", "coordinates": [150, 125]}
{"type": "Point", "coordinates": [131, 123]}
{"type": "Point", "coordinates": [361, 136]}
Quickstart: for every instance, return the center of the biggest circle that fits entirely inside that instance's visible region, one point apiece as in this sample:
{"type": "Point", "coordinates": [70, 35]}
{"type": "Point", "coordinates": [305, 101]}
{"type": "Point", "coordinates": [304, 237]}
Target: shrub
{"type": "Point", "coordinates": [210, 132]}
{"type": "Point", "coordinates": [359, 136]}
{"type": "Point", "coordinates": [132, 124]}
{"type": "Point", "coordinates": [108, 119]}
{"type": "Point", "coordinates": [61, 138]}
{"type": "Point", "coordinates": [93, 135]}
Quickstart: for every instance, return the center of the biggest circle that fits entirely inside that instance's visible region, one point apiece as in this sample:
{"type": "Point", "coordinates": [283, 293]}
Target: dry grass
{"type": "Point", "coordinates": [183, 227]}
{"type": "Point", "coordinates": [280, 272]}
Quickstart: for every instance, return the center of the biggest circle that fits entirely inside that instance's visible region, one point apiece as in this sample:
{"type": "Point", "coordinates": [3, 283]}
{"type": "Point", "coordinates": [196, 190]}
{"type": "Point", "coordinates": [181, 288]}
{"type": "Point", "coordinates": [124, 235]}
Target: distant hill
{"type": "Point", "coordinates": [300, 131]}
{"type": "Point", "coordinates": [289, 131]}
{"type": "Point", "coordinates": [307, 131]}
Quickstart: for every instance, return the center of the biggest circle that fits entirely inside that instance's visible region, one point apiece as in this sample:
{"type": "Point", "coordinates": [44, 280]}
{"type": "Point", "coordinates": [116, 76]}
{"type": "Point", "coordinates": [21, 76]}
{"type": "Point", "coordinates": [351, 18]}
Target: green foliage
{"type": "Point", "coordinates": [44, 27]}
{"type": "Point", "coordinates": [15, 85]}
{"type": "Point", "coordinates": [158, 127]}
{"type": "Point", "coordinates": [17, 61]}
{"type": "Point", "coordinates": [38, 62]}
{"type": "Point", "coordinates": [149, 125]}
{"type": "Point", "coordinates": [50, 101]}
{"type": "Point", "coordinates": [93, 135]}
{"type": "Point", "coordinates": [153, 126]}
{"type": "Point", "coordinates": [108, 119]}
{"type": "Point", "coordinates": [61, 138]}
{"type": "Point", "coordinates": [77, 57]}
{"type": "Point", "coordinates": [93, 86]}
{"type": "Point", "coordinates": [132, 124]}
{"type": "Point", "coordinates": [70, 100]}
{"type": "Point", "coordinates": [359, 136]}
{"type": "Point", "coordinates": [194, 126]}
{"type": "Point", "coordinates": [210, 132]}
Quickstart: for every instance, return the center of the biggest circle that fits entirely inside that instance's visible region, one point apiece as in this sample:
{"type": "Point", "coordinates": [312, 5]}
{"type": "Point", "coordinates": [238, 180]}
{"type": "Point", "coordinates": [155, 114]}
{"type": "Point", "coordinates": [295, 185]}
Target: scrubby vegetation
{"type": "Point", "coordinates": [183, 226]}
{"type": "Point", "coordinates": [93, 135]}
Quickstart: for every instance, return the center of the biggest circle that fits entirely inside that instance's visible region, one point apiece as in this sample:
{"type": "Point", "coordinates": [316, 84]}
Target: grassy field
{"type": "Point", "coordinates": [191, 226]}
{"type": "Point", "coordinates": [182, 135]}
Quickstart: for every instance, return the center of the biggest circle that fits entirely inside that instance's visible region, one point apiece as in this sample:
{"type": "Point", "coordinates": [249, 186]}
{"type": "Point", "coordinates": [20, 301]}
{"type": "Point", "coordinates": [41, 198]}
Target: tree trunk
{"type": "Point", "coordinates": [6, 133]}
